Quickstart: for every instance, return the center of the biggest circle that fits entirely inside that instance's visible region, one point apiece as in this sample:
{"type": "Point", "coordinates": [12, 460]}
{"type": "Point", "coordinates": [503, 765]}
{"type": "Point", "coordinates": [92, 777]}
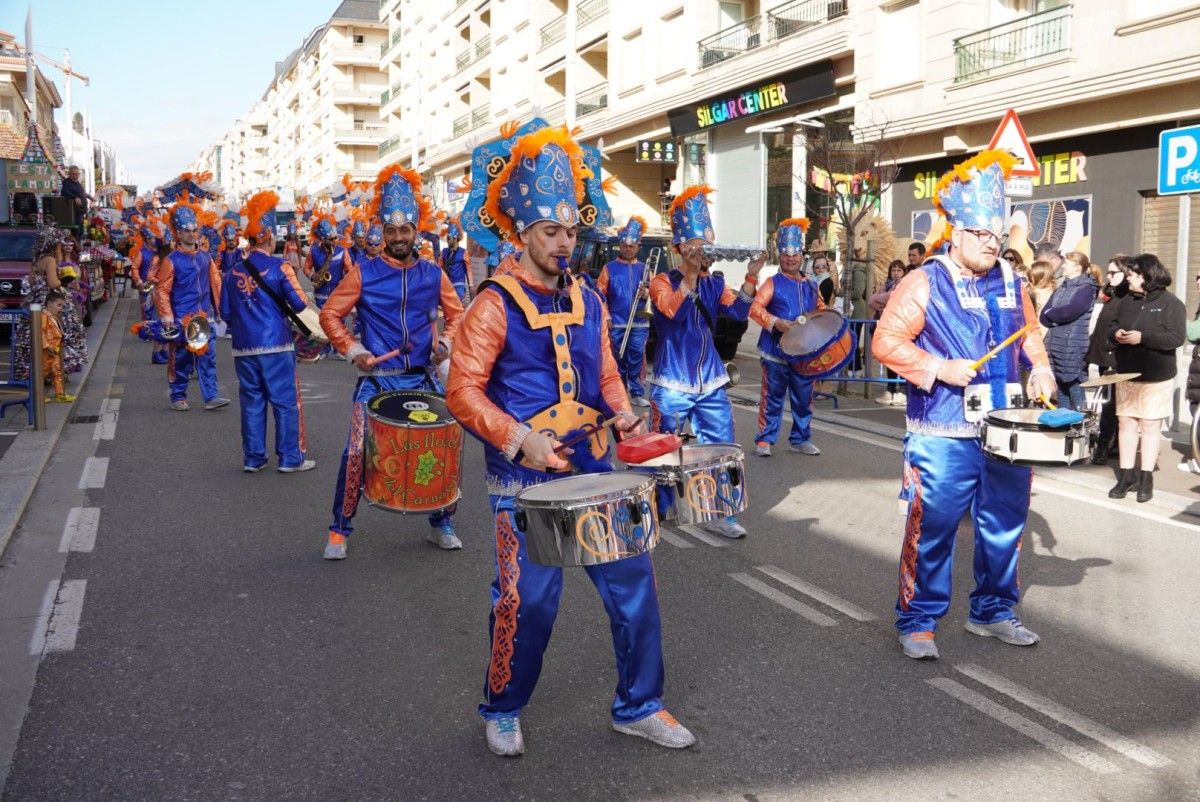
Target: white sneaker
{"type": "Point", "coordinates": [443, 537]}
{"type": "Point", "coordinates": [504, 736]}
{"type": "Point", "coordinates": [763, 449]}
{"type": "Point", "coordinates": [660, 728]}
{"type": "Point", "coordinates": [807, 447]}
{"type": "Point", "coordinates": [919, 646]}
{"type": "Point", "coordinates": [1189, 466]}
{"type": "Point", "coordinates": [1010, 631]}
{"type": "Point", "coordinates": [729, 528]}
{"type": "Point", "coordinates": [307, 465]}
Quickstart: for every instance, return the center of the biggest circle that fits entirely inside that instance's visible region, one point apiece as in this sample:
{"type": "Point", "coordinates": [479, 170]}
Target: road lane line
{"type": "Point", "coordinates": [37, 640]}
{"type": "Point", "coordinates": [781, 598]}
{"type": "Point", "coordinates": [106, 427]}
{"type": "Point", "coordinates": [1031, 729]}
{"type": "Point", "coordinates": [64, 621]}
{"type": "Point", "coordinates": [1081, 724]}
{"type": "Point", "coordinates": [79, 534]}
{"type": "Point", "coordinates": [812, 591]}
{"type": "Point", "coordinates": [862, 437]}
{"type": "Point", "coordinates": [674, 539]}
{"type": "Point", "coordinates": [95, 473]}
{"type": "Point", "coordinates": [110, 405]}
{"type": "Point", "coordinates": [704, 537]}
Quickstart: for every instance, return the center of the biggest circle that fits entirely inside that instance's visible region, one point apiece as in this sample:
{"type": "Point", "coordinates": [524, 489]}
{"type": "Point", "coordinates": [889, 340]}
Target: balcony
{"type": "Point", "coordinates": [365, 95]}
{"type": "Point", "coordinates": [483, 47]}
{"type": "Point", "coordinates": [556, 31]}
{"type": "Point", "coordinates": [384, 47]}
{"type": "Point", "coordinates": [388, 145]}
{"type": "Point", "coordinates": [357, 55]}
{"type": "Point", "coordinates": [778, 23]}
{"type": "Point", "coordinates": [471, 54]}
{"type": "Point", "coordinates": [590, 101]}
{"type": "Point", "coordinates": [981, 54]}
{"type": "Point", "coordinates": [470, 121]}
{"type": "Point", "coordinates": [359, 133]}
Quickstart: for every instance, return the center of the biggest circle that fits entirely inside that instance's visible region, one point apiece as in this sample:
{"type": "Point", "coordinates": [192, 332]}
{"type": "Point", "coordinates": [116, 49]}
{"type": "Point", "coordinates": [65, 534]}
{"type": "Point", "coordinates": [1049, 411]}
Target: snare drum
{"type": "Point", "coordinates": [1015, 436]}
{"type": "Point", "coordinates": [709, 482]}
{"type": "Point", "coordinates": [412, 452]}
{"type": "Point", "coordinates": [821, 342]}
{"type": "Point", "coordinates": [588, 519]}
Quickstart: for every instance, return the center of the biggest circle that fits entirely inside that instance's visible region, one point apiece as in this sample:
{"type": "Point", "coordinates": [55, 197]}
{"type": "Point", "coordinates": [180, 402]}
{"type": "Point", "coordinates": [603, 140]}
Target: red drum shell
{"type": "Point", "coordinates": [412, 455]}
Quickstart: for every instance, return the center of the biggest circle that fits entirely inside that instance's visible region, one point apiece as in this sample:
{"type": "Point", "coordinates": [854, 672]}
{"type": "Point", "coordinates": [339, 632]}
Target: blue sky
{"type": "Point", "coordinates": [167, 77]}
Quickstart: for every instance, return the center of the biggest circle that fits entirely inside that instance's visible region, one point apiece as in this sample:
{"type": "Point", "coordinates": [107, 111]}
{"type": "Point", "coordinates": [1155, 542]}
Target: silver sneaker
{"type": "Point", "coordinates": [763, 449]}
{"type": "Point", "coordinates": [919, 646]}
{"type": "Point", "coordinates": [638, 401]}
{"type": "Point", "coordinates": [443, 537]}
{"type": "Point", "coordinates": [660, 728]}
{"type": "Point", "coordinates": [806, 447]}
{"type": "Point", "coordinates": [729, 528]}
{"type": "Point", "coordinates": [251, 468]}
{"type": "Point", "coordinates": [1010, 630]}
{"type": "Point", "coordinates": [504, 736]}
{"type": "Point", "coordinates": [216, 403]}
{"type": "Point", "coordinates": [335, 549]}
{"type": "Point", "coordinates": [307, 465]}
{"type": "Point", "coordinates": [180, 406]}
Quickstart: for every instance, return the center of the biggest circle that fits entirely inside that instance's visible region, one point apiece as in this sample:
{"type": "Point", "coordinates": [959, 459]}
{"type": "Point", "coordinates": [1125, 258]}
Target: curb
{"type": "Point", "coordinates": [22, 465]}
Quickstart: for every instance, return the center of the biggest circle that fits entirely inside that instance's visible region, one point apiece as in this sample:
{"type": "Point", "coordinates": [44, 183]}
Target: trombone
{"type": "Point", "coordinates": [647, 310]}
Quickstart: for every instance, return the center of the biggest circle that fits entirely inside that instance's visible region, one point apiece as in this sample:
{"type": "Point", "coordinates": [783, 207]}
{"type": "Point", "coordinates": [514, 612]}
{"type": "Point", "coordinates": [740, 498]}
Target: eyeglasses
{"type": "Point", "coordinates": [983, 235]}
{"type": "Point", "coordinates": [1118, 272]}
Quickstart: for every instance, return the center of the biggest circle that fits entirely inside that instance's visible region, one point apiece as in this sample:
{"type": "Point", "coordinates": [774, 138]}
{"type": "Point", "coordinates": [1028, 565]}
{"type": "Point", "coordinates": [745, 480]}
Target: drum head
{"type": "Point", "coordinates": [583, 486]}
{"type": "Point", "coordinates": [410, 408]}
{"type": "Point", "coordinates": [816, 331]}
{"type": "Point", "coordinates": [709, 454]}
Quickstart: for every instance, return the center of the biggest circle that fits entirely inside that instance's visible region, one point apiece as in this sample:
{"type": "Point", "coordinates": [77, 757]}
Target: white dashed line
{"type": "Point", "coordinates": [95, 473]}
{"type": "Point", "coordinates": [1081, 724]}
{"type": "Point", "coordinates": [704, 537]}
{"type": "Point", "coordinates": [64, 621]}
{"type": "Point", "coordinates": [80, 532]}
{"type": "Point", "coordinates": [1027, 727]}
{"type": "Point", "coordinates": [38, 639]}
{"type": "Point", "coordinates": [813, 592]}
{"type": "Point", "coordinates": [781, 598]}
{"type": "Point", "coordinates": [674, 539]}
{"type": "Point", "coordinates": [110, 405]}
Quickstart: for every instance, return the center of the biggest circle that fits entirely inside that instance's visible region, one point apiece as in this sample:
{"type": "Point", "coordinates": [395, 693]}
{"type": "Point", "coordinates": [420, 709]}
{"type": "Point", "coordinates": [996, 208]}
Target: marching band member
{"type": "Point", "coordinates": [621, 281]}
{"type": "Point", "coordinates": [358, 240]}
{"type": "Point", "coordinates": [374, 240]}
{"type": "Point", "coordinates": [187, 281]}
{"type": "Point", "coordinates": [231, 253]}
{"type": "Point", "coordinates": [779, 301]}
{"type": "Point", "coordinates": [396, 297]}
{"type": "Point", "coordinates": [291, 246]}
{"type": "Point", "coordinates": [142, 258]}
{"type": "Point", "coordinates": [941, 317]}
{"type": "Point", "coordinates": [688, 380]}
{"type": "Point", "coordinates": [263, 351]}
{"type": "Point", "coordinates": [455, 261]}
{"type": "Point", "coordinates": [327, 260]}
{"type": "Point", "coordinates": [531, 358]}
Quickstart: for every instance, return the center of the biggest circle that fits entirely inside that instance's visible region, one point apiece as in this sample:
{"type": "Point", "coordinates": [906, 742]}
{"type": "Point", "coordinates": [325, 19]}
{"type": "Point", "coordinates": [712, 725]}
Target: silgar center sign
{"type": "Point", "coordinates": [803, 85]}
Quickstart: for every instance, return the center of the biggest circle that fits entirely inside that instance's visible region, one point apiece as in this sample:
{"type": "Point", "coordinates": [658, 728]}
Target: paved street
{"type": "Point", "coordinates": [189, 642]}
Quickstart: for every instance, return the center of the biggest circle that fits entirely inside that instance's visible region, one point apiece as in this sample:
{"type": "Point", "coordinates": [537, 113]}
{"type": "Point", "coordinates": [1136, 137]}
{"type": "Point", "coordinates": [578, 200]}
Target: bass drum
{"type": "Point", "coordinates": [412, 455]}
{"type": "Point", "coordinates": [821, 344]}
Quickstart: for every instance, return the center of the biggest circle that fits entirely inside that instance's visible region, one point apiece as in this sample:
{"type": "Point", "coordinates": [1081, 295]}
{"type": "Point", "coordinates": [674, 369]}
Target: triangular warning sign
{"type": "Point", "coordinates": [1010, 136]}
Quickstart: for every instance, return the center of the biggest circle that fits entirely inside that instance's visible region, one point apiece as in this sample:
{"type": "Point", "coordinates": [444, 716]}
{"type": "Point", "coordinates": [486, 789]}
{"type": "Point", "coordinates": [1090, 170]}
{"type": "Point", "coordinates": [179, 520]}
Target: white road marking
{"type": "Point", "coordinates": [781, 598]}
{"type": "Point", "coordinates": [106, 427]}
{"type": "Point", "coordinates": [704, 537]}
{"type": "Point", "coordinates": [862, 437]}
{"type": "Point", "coordinates": [674, 539]}
{"type": "Point", "coordinates": [1031, 729]}
{"type": "Point", "coordinates": [95, 473]}
{"type": "Point", "coordinates": [80, 532]}
{"type": "Point", "coordinates": [110, 405]}
{"type": "Point", "coordinates": [38, 639]}
{"type": "Point", "coordinates": [1081, 724]}
{"type": "Point", "coordinates": [814, 592]}
{"type": "Point", "coordinates": [64, 621]}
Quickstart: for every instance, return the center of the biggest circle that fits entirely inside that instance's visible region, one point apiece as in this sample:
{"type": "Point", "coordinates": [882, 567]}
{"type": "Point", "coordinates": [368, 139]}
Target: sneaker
{"type": "Point", "coordinates": [763, 449]}
{"type": "Point", "coordinates": [919, 646]}
{"type": "Point", "coordinates": [62, 398]}
{"type": "Point", "coordinates": [336, 548]}
{"type": "Point", "coordinates": [307, 465]}
{"type": "Point", "coordinates": [443, 537]}
{"type": "Point", "coordinates": [180, 406]}
{"type": "Point", "coordinates": [660, 728]}
{"type": "Point", "coordinates": [504, 736]}
{"type": "Point", "coordinates": [639, 401]}
{"type": "Point", "coordinates": [1189, 466]}
{"type": "Point", "coordinates": [1010, 630]}
{"type": "Point", "coordinates": [251, 468]}
{"type": "Point", "coordinates": [806, 447]}
{"type": "Point", "coordinates": [729, 528]}
{"type": "Point", "coordinates": [216, 403]}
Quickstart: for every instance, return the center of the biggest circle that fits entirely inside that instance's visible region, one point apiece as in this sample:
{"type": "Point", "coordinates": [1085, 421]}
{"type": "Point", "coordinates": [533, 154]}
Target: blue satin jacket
{"type": "Point", "coordinates": [455, 265]}
{"type": "Point", "coordinates": [685, 356]}
{"type": "Point", "coordinates": [790, 298]}
{"type": "Point", "coordinates": [337, 268]}
{"type": "Point", "coordinates": [618, 283]}
{"type": "Point", "coordinates": [256, 323]}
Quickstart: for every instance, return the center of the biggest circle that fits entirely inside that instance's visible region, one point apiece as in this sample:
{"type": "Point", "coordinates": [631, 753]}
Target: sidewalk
{"type": "Point", "coordinates": [22, 463]}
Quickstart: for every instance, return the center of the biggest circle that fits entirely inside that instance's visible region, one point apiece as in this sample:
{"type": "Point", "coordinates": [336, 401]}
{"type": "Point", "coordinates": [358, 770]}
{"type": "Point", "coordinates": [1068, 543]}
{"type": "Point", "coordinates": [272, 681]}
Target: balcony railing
{"type": "Point", "coordinates": [384, 97]}
{"type": "Point", "coordinates": [360, 128]}
{"type": "Point", "coordinates": [590, 101]}
{"type": "Point", "coordinates": [778, 23]}
{"type": "Point", "coordinates": [589, 10]}
{"type": "Point", "coordinates": [552, 32]}
{"type": "Point", "coordinates": [556, 31]}
{"type": "Point", "coordinates": [388, 145]}
{"type": "Point", "coordinates": [462, 60]}
{"type": "Point", "coordinates": [483, 47]}
{"type": "Point", "coordinates": [470, 121]}
{"type": "Point", "coordinates": [1021, 41]}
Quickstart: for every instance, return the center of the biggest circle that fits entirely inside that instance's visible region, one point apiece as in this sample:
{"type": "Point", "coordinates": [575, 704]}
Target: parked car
{"type": "Point", "coordinates": [16, 255]}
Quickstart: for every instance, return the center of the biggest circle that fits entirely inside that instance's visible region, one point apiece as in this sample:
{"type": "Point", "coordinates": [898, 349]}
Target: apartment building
{"type": "Point", "coordinates": [14, 111]}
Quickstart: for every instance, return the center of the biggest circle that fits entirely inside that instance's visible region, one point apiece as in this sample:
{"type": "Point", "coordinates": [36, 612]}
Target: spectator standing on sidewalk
{"type": "Point", "coordinates": [896, 271]}
{"type": "Point", "coordinates": [1066, 316]}
{"type": "Point", "coordinates": [1189, 464]}
{"type": "Point", "coordinates": [1048, 252]}
{"type": "Point", "coordinates": [1101, 352]}
{"type": "Point", "coordinates": [1041, 287]}
{"type": "Point", "coordinates": [857, 287]}
{"type": "Point", "coordinates": [1149, 325]}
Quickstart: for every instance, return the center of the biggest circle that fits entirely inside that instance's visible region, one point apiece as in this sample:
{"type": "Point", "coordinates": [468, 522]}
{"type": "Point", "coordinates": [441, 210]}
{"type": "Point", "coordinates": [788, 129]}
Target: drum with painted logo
{"type": "Point", "coordinates": [709, 481]}
{"type": "Point", "coordinates": [412, 454]}
{"type": "Point", "coordinates": [820, 344]}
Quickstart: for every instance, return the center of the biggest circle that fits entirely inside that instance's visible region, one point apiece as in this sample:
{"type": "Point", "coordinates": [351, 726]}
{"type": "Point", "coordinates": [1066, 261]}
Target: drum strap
{"type": "Point", "coordinates": [274, 296]}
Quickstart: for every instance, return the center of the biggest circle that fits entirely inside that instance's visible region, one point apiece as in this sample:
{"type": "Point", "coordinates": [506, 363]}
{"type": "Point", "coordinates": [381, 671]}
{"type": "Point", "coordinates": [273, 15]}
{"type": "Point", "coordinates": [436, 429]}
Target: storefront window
{"type": "Point", "coordinates": [695, 155]}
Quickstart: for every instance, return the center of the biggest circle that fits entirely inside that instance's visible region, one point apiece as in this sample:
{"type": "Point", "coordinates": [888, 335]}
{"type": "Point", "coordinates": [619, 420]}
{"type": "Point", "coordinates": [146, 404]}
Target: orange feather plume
{"type": "Point", "coordinates": [183, 201]}
{"type": "Point", "coordinates": [508, 128]}
{"type": "Point", "coordinates": [609, 184]}
{"type": "Point", "coordinates": [464, 186]}
{"type": "Point", "coordinates": [962, 172]}
{"type": "Point", "coordinates": [527, 147]}
{"type": "Point", "coordinates": [254, 209]}
{"type": "Point", "coordinates": [688, 194]}
{"type": "Point", "coordinates": [796, 221]}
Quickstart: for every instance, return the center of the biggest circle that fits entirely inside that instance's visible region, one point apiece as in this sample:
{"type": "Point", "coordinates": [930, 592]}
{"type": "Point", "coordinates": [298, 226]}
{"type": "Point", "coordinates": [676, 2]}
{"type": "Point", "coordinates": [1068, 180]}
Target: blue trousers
{"type": "Point", "coordinates": [525, 599]}
{"type": "Point", "coordinates": [270, 379]}
{"type": "Point", "coordinates": [944, 478]}
{"type": "Point", "coordinates": [461, 291]}
{"type": "Point", "coordinates": [180, 364]}
{"type": "Point", "coordinates": [710, 414]}
{"type": "Point", "coordinates": [350, 473]}
{"type": "Point", "coordinates": [1071, 395]}
{"type": "Point", "coordinates": [632, 366]}
{"type": "Point", "coordinates": [779, 380]}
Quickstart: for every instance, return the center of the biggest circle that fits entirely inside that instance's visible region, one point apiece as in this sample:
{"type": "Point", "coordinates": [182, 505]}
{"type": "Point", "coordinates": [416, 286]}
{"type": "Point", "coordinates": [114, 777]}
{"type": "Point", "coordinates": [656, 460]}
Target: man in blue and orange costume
{"type": "Point", "coordinates": [396, 297]}
{"type": "Point", "coordinates": [142, 258]}
{"type": "Point", "coordinates": [187, 282]}
{"type": "Point", "coordinates": [229, 251]}
{"type": "Point", "coordinates": [780, 300]}
{"type": "Point", "coordinates": [327, 260]}
{"type": "Point", "coordinates": [624, 283]}
{"type": "Point", "coordinates": [263, 351]}
{"type": "Point", "coordinates": [358, 237]}
{"type": "Point", "coordinates": [688, 379]}
{"type": "Point", "coordinates": [454, 259]}
{"type": "Point", "coordinates": [531, 364]}
{"type": "Point", "coordinates": [944, 315]}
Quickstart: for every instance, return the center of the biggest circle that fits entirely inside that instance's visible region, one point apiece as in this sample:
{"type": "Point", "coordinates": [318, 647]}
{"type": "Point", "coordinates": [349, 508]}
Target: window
{"type": "Point", "coordinates": [359, 39]}
{"type": "Point", "coordinates": [729, 13]}
{"type": "Point", "coordinates": [898, 45]}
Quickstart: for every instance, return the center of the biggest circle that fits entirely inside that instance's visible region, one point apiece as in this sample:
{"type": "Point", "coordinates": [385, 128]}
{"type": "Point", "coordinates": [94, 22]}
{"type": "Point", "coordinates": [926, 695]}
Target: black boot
{"type": "Point", "coordinates": [1100, 455]}
{"type": "Point", "coordinates": [1145, 486]}
{"type": "Point", "coordinates": [1126, 480]}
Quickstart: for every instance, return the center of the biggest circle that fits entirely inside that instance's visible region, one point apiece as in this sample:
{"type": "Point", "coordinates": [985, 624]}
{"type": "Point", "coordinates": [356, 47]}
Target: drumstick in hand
{"type": "Point", "coordinates": [1012, 338]}
{"type": "Point", "coordinates": [375, 360]}
{"type": "Point", "coordinates": [586, 434]}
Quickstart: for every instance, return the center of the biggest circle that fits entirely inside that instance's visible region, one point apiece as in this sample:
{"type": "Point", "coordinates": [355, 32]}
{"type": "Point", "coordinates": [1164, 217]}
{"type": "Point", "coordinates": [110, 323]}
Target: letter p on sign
{"type": "Point", "coordinates": [1179, 160]}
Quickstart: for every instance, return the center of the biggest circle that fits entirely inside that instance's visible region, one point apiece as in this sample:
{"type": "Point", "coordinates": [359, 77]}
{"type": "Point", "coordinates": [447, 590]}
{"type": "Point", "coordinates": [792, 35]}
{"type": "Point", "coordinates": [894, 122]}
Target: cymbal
{"type": "Point", "coordinates": [1111, 378]}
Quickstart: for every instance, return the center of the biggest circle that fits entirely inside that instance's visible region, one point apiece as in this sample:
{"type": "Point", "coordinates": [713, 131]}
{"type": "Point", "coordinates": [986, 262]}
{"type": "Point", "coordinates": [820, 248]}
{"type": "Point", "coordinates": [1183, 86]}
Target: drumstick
{"type": "Point", "coordinates": [375, 360]}
{"type": "Point", "coordinates": [1049, 404]}
{"type": "Point", "coordinates": [586, 434]}
{"type": "Point", "coordinates": [1012, 338]}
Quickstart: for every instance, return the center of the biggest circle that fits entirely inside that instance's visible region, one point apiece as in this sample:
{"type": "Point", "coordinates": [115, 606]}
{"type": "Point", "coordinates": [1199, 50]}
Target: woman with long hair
{"type": "Point", "coordinates": [1102, 353]}
{"type": "Point", "coordinates": [1066, 316]}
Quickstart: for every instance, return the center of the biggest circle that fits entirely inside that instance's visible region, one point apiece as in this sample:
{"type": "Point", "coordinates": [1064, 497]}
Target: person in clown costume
{"type": "Point", "coordinates": [944, 315]}
{"type": "Point", "coordinates": [396, 295]}
{"type": "Point", "coordinates": [531, 358]}
{"type": "Point", "coordinates": [187, 281]}
{"type": "Point", "coordinates": [688, 379]}
{"type": "Point", "coordinates": [620, 282]}
{"type": "Point", "coordinates": [780, 300]}
{"type": "Point", "coordinates": [454, 259]}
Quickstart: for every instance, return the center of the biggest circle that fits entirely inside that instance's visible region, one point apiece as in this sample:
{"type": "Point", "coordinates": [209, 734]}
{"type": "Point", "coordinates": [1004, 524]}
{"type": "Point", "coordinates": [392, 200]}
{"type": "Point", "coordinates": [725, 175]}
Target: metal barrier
{"type": "Point", "coordinates": [864, 330]}
{"type": "Point", "coordinates": [11, 318]}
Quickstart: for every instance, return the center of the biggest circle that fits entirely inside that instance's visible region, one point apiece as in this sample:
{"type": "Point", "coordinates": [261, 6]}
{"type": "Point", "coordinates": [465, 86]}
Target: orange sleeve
{"type": "Point", "coordinates": [308, 262]}
{"type": "Point", "coordinates": [602, 282]}
{"type": "Point", "coordinates": [135, 265]}
{"type": "Point", "coordinates": [290, 274]}
{"type": "Point", "coordinates": [452, 308]}
{"type": "Point", "coordinates": [899, 326]}
{"type": "Point", "coordinates": [337, 307]}
{"type": "Point", "coordinates": [162, 292]}
{"type": "Point", "coordinates": [664, 299]}
{"type": "Point", "coordinates": [758, 308]}
{"type": "Point", "coordinates": [478, 343]}
{"type": "Point", "coordinates": [214, 281]}
{"type": "Point", "coordinates": [1033, 344]}
{"type": "Point", "coordinates": [611, 385]}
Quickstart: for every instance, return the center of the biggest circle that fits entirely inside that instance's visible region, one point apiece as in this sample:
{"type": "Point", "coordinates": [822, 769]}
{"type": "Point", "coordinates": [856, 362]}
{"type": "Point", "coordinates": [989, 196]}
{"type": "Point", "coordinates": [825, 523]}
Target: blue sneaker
{"type": "Point", "coordinates": [443, 537]}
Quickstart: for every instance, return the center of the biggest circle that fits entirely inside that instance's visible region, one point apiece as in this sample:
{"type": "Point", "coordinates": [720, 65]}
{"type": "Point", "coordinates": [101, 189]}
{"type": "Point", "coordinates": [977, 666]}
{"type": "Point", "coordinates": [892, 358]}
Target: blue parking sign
{"type": "Point", "coordinates": [1179, 160]}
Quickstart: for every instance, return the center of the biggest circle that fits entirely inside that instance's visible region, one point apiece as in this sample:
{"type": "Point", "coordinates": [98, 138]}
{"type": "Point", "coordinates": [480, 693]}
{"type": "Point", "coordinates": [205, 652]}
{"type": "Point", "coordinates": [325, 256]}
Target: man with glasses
{"type": "Point", "coordinates": [943, 316]}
